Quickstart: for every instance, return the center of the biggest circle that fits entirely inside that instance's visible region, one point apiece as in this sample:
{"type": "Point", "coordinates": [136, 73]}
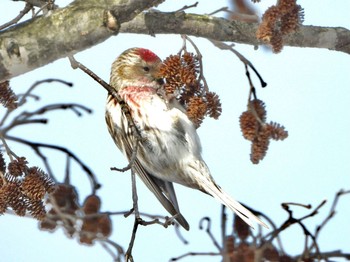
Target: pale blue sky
{"type": "Point", "coordinates": [307, 92]}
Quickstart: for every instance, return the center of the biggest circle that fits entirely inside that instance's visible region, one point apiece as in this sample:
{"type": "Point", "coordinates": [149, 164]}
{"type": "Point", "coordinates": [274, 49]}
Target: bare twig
{"type": "Point", "coordinates": [22, 13]}
{"type": "Point", "coordinates": [24, 117]}
{"type": "Point", "coordinates": [36, 147]}
{"type": "Point", "coordinates": [291, 220]}
{"type": "Point", "coordinates": [208, 231]}
{"type": "Point", "coordinates": [128, 254]}
{"type": "Point", "coordinates": [331, 214]}
{"type": "Point", "coordinates": [187, 7]}
{"type": "Point", "coordinates": [116, 257]}
{"type": "Point", "coordinates": [179, 234]}
{"type": "Point", "coordinates": [199, 55]}
{"type": "Point", "coordinates": [49, 80]}
{"type": "Point", "coordinates": [195, 254]}
{"type": "Point", "coordinates": [112, 91]}
{"type": "Point", "coordinates": [244, 60]}
{"type": "Point", "coordinates": [222, 9]}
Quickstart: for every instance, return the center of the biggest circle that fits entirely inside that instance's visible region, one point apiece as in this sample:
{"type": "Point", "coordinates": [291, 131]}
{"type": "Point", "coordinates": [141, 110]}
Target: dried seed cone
{"type": "Point", "coordinates": [241, 228]}
{"type": "Point", "coordinates": [196, 110]}
{"type": "Point", "coordinates": [266, 29]}
{"type": "Point", "coordinates": [277, 131]}
{"type": "Point", "coordinates": [276, 43]}
{"type": "Point", "coordinates": [278, 21]}
{"type": "Point", "coordinates": [7, 97]}
{"type": "Point", "coordinates": [259, 146]}
{"type": "Point", "coordinates": [3, 202]}
{"type": "Point", "coordinates": [259, 107]}
{"type": "Point", "coordinates": [214, 108]}
{"type": "Point", "coordinates": [66, 197]}
{"type": "Point", "coordinates": [91, 204]}
{"type": "Point", "coordinates": [249, 125]}
{"type": "Point", "coordinates": [271, 254]}
{"type": "Point", "coordinates": [105, 225]}
{"type": "Point", "coordinates": [90, 225]}
{"type": "Point", "coordinates": [37, 210]}
{"type": "Point", "coordinates": [11, 195]}
{"type": "Point", "coordinates": [244, 253]}
{"type": "Point", "coordinates": [170, 70]}
{"type": "Point", "coordinates": [230, 244]}
{"type": "Point", "coordinates": [36, 184]}
{"type": "Point", "coordinates": [181, 75]}
{"type": "Point", "coordinates": [32, 186]}
{"type": "Point", "coordinates": [18, 166]}
{"type": "Point", "coordinates": [48, 224]}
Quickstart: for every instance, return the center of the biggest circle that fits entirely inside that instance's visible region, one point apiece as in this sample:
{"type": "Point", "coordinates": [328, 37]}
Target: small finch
{"type": "Point", "coordinates": [169, 149]}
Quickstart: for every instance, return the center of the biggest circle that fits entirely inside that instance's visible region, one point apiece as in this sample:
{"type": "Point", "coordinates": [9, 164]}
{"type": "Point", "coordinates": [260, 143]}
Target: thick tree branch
{"type": "Point", "coordinates": [220, 29]}
{"type": "Point", "coordinates": [66, 31]}
{"type": "Point", "coordinates": [82, 24]}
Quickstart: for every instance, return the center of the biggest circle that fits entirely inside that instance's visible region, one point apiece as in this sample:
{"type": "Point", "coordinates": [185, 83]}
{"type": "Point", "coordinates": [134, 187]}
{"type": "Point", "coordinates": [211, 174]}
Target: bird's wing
{"type": "Point", "coordinates": [163, 190]}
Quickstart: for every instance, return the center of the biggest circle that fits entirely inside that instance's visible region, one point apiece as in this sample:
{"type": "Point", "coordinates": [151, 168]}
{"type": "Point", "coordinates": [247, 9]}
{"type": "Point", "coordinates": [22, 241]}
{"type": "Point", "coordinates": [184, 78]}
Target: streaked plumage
{"type": "Point", "coordinates": [170, 149]}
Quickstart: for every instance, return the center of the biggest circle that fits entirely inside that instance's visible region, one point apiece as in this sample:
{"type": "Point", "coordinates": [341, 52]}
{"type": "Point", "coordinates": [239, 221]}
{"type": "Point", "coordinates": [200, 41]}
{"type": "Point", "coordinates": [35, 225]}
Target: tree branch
{"type": "Point", "coordinates": [67, 31]}
{"type": "Point", "coordinates": [84, 24]}
{"type": "Point", "coordinates": [220, 29]}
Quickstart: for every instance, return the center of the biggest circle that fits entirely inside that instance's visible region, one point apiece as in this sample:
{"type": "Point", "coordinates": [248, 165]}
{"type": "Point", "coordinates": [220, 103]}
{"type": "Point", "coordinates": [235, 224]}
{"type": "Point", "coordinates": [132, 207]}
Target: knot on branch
{"type": "Point", "coordinates": [111, 22]}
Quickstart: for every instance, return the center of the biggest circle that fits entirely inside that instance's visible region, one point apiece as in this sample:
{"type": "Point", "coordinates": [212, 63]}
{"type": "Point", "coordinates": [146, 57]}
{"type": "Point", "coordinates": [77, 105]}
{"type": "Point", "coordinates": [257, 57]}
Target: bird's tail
{"type": "Point", "coordinates": [214, 190]}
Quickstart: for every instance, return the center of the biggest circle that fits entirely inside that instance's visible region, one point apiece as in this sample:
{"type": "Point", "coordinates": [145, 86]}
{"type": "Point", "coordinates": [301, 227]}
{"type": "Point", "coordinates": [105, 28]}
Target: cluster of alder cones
{"type": "Point", "coordinates": [183, 82]}
{"type": "Point", "coordinates": [86, 221]}
{"type": "Point", "coordinates": [240, 248]}
{"type": "Point", "coordinates": [278, 21]}
{"type": "Point", "coordinates": [255, 129]}
{"type": "Point", "coordinates": [181, 73]}
{"type": "Point", "coordinates": [23, 188]}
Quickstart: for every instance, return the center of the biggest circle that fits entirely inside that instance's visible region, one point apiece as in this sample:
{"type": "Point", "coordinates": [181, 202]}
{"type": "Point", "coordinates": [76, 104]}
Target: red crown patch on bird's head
{"type": "Point", "coordinates": [147, 55]}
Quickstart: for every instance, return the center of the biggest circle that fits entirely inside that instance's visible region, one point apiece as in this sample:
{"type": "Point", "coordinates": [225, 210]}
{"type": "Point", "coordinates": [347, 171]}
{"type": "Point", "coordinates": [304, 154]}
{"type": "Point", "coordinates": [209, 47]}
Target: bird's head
{"type": "Point", "coordinates": [136, 67]}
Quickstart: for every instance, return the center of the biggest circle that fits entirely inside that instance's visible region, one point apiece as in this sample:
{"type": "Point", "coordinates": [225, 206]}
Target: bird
{"type": "Point", "coordinates": [168, 149]}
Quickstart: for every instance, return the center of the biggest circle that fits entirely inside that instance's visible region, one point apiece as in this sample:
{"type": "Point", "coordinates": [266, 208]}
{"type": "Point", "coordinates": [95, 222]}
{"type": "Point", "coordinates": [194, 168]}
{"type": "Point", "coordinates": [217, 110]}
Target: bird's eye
{"type": "Point", "coordinates": [146, 68]}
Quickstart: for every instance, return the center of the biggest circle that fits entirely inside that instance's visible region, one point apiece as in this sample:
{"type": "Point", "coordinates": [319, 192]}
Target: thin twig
{"type": "Point", "coordinates": [222, 9]}
{"type": "Point", "coordinates": [195, 254]}
{"type": "Point", "coordinates": [128, 254]}
{"type": "Point", "coordinates": [22, 13]}
{"type": "Point", "coordinates": [67, 171]}
{"type": "Point", "coordinates": [118, 248]}
{"type": "Point", "coordinates": [331, 214]}
{"type": "Point", "coordinates": [124, 107]}
{"type": "Point", "coordinates": [9, 152]}
{"type": "Point", "coordinates": [223, 234]}
{"type": "Point", "coordinates": [187, 7]}
{"type": "Point", "coordinates": [199, 55]}
{"type": "Point", "coordinates": [179, 235]}
{"type": "Point", "coordinates": [244, 60]}
{"type": "Point", "coordinates": [49, 80]}
{"type": "Point", "coordinates": [36, 147]}
{"type": "Point", "coordinates": [208, 230]}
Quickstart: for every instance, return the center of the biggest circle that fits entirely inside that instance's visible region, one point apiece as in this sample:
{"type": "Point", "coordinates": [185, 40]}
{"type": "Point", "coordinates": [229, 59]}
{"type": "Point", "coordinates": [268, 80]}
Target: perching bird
{"type": "Point", "coordinates": [169, 149]}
